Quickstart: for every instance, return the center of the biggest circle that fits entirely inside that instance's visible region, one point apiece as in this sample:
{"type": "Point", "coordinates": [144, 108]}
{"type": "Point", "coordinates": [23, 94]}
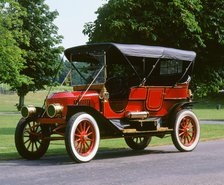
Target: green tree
{"type": "Point", "coordinates": [11, 60]}
{"type": "Point", "coordinates": [186, 24]}
{"type": "Point", "coordinates": [209, 67]}
{"type": "Point", "coordinates": [42, 50]}
{"type": "Point", "coordinates": [65, 70]}
{"type": "Point", "coordinates": [170, 23]}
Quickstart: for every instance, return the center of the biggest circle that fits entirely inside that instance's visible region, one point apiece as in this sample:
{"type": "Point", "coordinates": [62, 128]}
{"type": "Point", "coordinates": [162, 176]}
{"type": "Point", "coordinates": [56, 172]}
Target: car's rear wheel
{"type": "Point", "coordinates": [82, 137]}
{"type": "Point", "coordinates": [31, 139]}
{"type": "Point", "coordinates": [186, 131]}
{"type": "Point", "coordinates": [138, 143]}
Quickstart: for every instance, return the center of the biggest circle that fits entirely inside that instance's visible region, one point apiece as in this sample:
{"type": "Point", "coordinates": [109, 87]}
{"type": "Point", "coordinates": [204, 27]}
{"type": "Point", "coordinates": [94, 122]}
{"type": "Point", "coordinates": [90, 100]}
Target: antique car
{"type": "Point", "coordinates": [119, 90]}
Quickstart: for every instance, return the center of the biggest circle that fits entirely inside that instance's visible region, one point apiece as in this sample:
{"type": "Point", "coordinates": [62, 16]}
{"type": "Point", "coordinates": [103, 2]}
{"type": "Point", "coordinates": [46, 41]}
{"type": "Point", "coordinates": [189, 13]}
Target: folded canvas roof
{"type": "Point", "coordinates": [135, 50]}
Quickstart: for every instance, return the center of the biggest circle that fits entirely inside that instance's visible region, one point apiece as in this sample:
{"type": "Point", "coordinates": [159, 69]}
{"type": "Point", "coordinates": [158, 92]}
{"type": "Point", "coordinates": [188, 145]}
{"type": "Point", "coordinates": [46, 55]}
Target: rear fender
{"type": "Point", "coordinates": [105, 126]}
{"type": "Point", "coordinates": [175, 109]}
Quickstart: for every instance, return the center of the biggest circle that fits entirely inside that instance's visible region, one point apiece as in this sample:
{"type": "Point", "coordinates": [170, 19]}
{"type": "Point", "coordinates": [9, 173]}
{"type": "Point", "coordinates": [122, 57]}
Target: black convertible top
{"type": "Point", "coordinates": [135, 50]}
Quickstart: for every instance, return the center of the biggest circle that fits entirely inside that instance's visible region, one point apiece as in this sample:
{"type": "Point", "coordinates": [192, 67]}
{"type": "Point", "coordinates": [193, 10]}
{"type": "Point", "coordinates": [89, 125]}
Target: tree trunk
{"type": "Point", "coordinates": [21, 102]}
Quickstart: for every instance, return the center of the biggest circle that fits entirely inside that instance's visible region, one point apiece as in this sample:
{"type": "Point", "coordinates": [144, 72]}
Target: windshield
{"type": "Point", "coordinates": [86, 68]}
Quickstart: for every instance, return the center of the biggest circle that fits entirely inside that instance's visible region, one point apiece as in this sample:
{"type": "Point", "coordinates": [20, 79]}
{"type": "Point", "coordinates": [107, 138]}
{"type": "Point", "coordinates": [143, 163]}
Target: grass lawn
{"type": "Point", "coordinates": [8, 102]}
{"type": "Point", "coordinates": [210, 108]}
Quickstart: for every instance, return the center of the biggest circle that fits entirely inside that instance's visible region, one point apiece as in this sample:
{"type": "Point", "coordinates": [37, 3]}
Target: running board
{"type": "Point", "coordinates": [134, 131]}
{"type": "Point", "coordinates": [153, 124]}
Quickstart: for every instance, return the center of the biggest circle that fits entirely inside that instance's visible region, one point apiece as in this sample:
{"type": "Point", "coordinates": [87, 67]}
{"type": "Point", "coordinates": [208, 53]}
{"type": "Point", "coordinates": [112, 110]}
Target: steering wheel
{"type": "Point", "coordinates": [117, 87]}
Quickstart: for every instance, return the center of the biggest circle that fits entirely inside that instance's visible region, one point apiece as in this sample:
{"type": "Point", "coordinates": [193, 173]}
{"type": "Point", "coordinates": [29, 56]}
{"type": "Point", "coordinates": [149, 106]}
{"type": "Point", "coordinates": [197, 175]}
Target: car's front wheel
{"type": "Point", "coordinates": [31, 139]}
{"type": "Point", "coordinates": [186, 131]}
{"type": "Point", "coordinates": [82, 137]}
{"type": "Point", "coordinates": [138, 143]}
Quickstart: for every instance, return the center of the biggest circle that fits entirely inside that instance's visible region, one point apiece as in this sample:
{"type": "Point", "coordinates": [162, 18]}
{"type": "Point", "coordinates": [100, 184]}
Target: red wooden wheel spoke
{"type": "Point", "coordinates": [77, 140]}
{"type": "Point", "coordinates": [188, 141]}
{"type": "Point", "coordinates": [77, 146]}
{"type": "Point", "coordinates": [191, 137]}
{"type": "Point", "coordinates": [88, 146]}
{"type": "Point", "coordinates": [181, 129]}
{"type": "Point", "coordinates": [33, 127]}
{"type": "Point", "coordinates": [182, 124]}
{"type": "Point", "coordinates": [80, 148]}
{"type": "Point", "coordinates": [39, 142]}
{"type": "Point", "coordinates": [78, 129]}
{"type": "Point", "coordinates": [181, 133]}
{"type": "Point", "coordinates": [90, 133]}
{"type": "Point", "coordinates": [184, 140]}
{"type": "Point", "coordinates": [30, 127]}
{"type": "Point", "coordinates": [39, 132]}
{"type": "Point", "coordinates": [25, 135]}
{"type": "Point", "coordinates": [36, 127]}
{"type": "Point", "coordinates": [88, 129]}
{"type": "Point", "coordinates": [89, 139]}
{"type": "Point", "coordinates": [27, 132]}
{"type": "Point", "coordinates": [84, 125]}
{"type": "Point", "coordinates": [78, 135]}
{"type": "Point", "coordinates": [32, 146]}
{"type": "Point", "coordinates": [184, 121]}
{"type": "Point", "coordinates": [84, 138]}
{"type": "Point", "coordinates": [29, 145]}
{"type": "Point", "coordinates": [35, 143]}
{"type": "Point", "coordinates": [191, 132]}
{"type": "Point", "coordinates": [187, 131]}
{"type": "Point", "coordinates": [84, 147]}
{"type": "Point", "coordinates": [26, 141]}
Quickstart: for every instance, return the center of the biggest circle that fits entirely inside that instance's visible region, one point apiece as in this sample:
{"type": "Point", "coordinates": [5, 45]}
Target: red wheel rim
{"type": "Point", "coordinates": [85, 138]}
{"type": "Point", "coordinates": [187, 131]}
{"type": "Point", "coordinates": [33, 137]}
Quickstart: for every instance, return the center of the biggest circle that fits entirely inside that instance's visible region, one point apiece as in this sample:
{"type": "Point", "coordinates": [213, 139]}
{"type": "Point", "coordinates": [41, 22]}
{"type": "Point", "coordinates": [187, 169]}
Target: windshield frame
{"type": "Point", "coordinates": [89, 58]}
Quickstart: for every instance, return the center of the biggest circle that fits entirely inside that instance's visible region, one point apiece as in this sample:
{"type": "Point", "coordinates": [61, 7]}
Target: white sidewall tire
{"type": "Point", "coordinates": [71, 136]}
{"type": "Point", "coordinates": [180, 116]}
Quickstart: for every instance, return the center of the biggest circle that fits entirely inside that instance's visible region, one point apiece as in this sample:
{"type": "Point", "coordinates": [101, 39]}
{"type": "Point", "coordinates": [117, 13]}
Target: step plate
{"type": "Point", "coordinates": [134, 131]}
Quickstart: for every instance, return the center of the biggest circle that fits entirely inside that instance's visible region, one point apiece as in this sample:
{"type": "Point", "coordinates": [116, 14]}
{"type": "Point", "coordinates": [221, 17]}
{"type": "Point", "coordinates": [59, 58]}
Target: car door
{"type": "Point", "coordinates": [154, 98]}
